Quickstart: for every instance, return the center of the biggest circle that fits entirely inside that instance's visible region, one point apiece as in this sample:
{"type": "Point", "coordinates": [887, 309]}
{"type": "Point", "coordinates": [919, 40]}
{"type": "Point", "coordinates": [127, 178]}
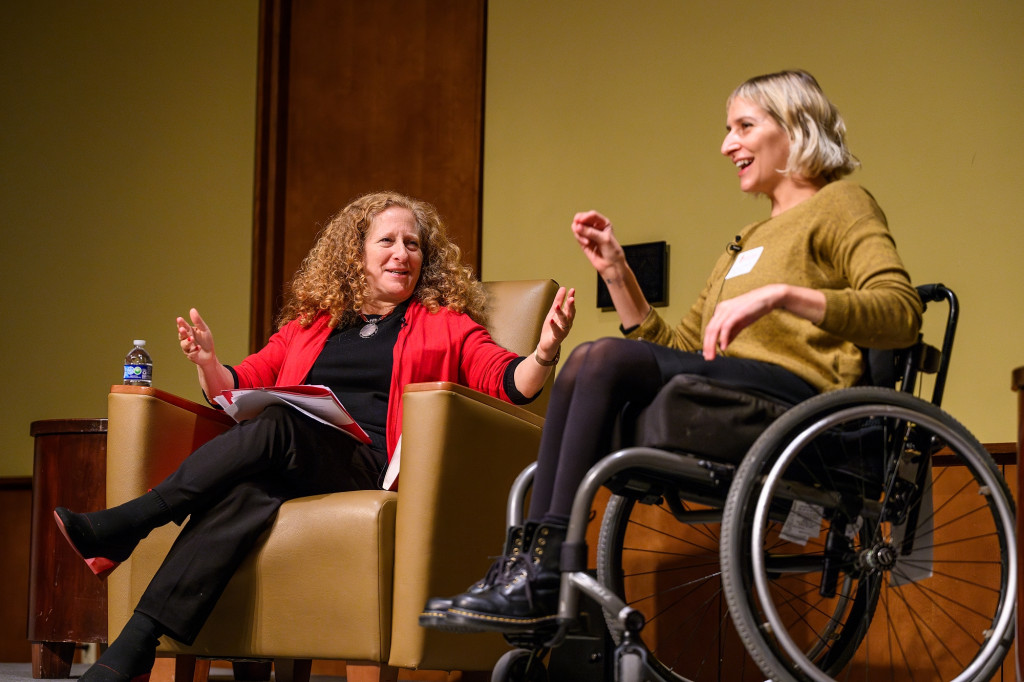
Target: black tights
{"type": "Point", "coordinates": [602, 377]}
{"type": "Point", "coordinates": [599, 378]}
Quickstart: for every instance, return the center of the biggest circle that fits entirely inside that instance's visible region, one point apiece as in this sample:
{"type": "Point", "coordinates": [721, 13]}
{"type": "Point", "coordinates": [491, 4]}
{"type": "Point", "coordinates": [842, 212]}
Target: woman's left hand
{"type": "Point", "coordinates": [736, 314]}
{"type": "Point", "coordinates": [557, 323]}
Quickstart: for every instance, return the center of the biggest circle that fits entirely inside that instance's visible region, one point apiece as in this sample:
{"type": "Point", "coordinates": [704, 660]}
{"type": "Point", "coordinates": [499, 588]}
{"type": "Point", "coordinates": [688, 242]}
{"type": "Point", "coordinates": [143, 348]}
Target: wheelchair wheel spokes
{"type": "Point", "coordinates": [821, 612]}
{"type": "Point", "coordinates": [911, 576]}
{"type": "Point", "coordinates": [670, 572]}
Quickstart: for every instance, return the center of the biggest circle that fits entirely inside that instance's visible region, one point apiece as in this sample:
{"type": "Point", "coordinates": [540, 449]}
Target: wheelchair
{"type": "Point", "coordinates": [864, 535]}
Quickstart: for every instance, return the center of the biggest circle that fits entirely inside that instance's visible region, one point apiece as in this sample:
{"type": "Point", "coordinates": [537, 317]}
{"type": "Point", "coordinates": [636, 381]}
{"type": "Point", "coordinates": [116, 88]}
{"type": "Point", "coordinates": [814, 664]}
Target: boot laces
{"type": "Point", "coordinates": [495, 573]}
{"type": "Point", "coordinates": [520, 567]}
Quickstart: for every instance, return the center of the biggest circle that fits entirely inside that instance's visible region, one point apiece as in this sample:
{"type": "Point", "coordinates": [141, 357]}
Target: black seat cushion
{"type": "Point", "coordinates": [706, 418]}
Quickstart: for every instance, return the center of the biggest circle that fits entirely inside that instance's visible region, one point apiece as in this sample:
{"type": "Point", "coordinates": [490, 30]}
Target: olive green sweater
{"type": "Point", "coordinates": [837, 242]}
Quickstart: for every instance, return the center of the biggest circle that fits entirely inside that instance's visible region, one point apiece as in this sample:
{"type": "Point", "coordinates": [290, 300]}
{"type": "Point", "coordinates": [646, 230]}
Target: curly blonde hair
{"type": "Point", "coordinates": [332, 277]}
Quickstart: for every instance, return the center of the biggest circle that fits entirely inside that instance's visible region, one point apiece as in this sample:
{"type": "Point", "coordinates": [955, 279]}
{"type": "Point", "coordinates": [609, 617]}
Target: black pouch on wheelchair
{"type": "Point", "coordinates": [694, 414]}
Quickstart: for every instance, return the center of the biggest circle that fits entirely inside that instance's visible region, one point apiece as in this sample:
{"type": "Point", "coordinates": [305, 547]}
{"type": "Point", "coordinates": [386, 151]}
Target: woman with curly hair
{"type": "Point", "coordinates": [381, 301]}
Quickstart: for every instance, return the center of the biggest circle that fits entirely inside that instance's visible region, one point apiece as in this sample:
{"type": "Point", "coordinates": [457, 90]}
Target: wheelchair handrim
{"type": "Point", "coordinates": [773, 477]}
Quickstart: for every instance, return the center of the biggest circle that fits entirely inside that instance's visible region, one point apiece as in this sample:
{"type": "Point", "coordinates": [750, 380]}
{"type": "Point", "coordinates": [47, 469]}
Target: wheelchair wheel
{"type": "Point", "coordinates": [867, 534]}
{"type": "Point", "coordinates": [519, 665]}
{"type": "Point", "coordinates": [669, 571]}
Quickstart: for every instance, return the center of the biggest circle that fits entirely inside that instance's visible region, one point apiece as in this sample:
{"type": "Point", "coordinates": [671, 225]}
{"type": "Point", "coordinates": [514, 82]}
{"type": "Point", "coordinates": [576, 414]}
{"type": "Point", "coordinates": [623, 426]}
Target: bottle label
{"type": "Point", "coordinates": [138, 372]}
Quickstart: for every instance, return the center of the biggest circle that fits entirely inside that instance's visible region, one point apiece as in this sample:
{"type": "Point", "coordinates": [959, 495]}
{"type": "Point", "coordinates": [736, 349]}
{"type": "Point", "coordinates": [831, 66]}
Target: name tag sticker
{"type": "Point", "coordinates": [744, 262]}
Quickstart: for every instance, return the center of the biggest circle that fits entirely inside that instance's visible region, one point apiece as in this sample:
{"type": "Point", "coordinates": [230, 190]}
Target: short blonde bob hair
{"type": "Point", "coordinates": [816, 131]}
{"type": "Point", "coordinates": [332, 277]}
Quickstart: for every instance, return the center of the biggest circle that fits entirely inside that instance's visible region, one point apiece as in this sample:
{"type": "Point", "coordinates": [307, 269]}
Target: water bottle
{"type": "Point", "coordinates": [138, 366]}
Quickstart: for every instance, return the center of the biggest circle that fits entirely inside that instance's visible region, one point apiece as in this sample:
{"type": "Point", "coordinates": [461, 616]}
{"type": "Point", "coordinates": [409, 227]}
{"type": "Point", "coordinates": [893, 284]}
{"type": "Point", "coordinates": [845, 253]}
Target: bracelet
{"type": "Point", "coordinates": [548, 363]}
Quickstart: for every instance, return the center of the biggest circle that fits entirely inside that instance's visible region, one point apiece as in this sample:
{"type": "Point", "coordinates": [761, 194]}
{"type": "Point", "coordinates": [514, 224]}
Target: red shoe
{"type": "Point", "coordinates": [77, 525]}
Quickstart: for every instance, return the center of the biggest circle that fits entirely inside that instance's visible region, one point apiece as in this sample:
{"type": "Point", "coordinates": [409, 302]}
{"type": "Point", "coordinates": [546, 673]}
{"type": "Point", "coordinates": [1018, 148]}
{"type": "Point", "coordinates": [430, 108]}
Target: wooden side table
{"type": "Point", "coordinates": [67, 603]}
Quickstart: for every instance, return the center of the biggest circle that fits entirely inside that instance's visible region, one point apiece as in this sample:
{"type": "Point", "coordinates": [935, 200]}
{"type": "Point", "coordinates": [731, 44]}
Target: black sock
{"type": "Point", "coordinates": [133, 519]}
{"type": "Point", "coordinates": [133, 653]}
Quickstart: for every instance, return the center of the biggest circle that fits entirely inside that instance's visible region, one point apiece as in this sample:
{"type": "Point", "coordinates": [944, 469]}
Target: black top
{"type": "Point", "coordinates": [357, 362]}
{"type": "Point", "coordinates": [357, 367]}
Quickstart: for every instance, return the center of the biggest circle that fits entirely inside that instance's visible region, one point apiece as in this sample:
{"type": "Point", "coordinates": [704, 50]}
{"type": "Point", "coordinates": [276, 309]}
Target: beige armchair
{"type": "Point", "coordinates": [344, 576]}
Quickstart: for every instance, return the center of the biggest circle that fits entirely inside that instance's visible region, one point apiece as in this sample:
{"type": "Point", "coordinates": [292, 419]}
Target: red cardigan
{"type": "Point", "coordinates": [441, 346]}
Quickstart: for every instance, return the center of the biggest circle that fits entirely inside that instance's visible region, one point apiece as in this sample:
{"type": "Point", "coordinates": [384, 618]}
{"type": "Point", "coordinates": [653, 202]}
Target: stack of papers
{"type": "Point", "coordinates": [318, 402]}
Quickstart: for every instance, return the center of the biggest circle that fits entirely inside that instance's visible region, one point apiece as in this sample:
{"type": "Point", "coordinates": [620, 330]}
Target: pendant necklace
{"type": "Point", "coordinates": [370, 328]}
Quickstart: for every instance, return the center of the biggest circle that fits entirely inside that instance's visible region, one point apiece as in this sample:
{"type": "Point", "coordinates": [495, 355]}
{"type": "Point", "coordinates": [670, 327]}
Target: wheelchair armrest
{"type": "Point", "coordinates": [149, 432]}
{"type": "Point", "coordinates": [461, 451]}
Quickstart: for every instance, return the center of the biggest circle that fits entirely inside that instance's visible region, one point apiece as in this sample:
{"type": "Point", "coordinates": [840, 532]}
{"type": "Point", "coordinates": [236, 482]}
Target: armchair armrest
{"type": "Point", "coordinates": [511, 410]}
{"type": "Point", "coordinates": [149, 433]}
{"type": "Point", "coordinates": [461, 450]}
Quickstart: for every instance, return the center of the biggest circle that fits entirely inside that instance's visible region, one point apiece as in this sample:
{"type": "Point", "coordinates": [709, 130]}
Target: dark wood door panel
{"type": "Point", "coordinates": [357, 97]}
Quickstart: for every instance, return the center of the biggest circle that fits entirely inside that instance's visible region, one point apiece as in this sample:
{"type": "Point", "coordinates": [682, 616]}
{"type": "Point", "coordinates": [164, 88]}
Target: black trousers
{"type": "Point", "coordinates": [230, 489]}
{"type": "Point", "coordinates": [602, 377]}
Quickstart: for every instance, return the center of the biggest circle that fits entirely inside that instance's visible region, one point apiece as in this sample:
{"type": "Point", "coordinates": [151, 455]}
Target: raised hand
{"type": "Point", "coordinates": [596, 237]}
{"type": "Point", "coordinates": [557, 323]}
{"type": "Point", "coordinates": [196, 339]}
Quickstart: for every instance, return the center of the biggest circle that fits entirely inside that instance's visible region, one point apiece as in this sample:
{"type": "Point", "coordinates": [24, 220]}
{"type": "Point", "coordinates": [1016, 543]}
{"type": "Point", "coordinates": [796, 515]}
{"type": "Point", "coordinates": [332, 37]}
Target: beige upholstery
{"type": "Point", "coordinates": [344, 576]}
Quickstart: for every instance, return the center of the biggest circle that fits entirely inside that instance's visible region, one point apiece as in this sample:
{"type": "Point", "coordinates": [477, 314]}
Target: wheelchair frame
{"type": "Point", "coordinates": [747, 494]}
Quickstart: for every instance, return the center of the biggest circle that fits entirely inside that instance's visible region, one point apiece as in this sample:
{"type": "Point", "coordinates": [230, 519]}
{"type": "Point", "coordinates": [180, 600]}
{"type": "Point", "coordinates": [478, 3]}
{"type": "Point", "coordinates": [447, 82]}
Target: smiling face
{"type": "Point", "coordinates": [392, 259]}
{"type": "Point", "coordinates": [759, 147]}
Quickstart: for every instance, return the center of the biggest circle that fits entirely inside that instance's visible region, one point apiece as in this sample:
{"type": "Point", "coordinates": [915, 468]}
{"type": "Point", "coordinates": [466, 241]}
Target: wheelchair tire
{"type": "Point", "coordinates": [670, 572]}
{"type": "Point", "coordinates": [519, 665]}
{"type": "Point", "coordinates": [867, 534]}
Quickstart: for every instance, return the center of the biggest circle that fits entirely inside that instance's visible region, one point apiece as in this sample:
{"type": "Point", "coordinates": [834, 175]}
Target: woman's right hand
{"type": "Point", "coordinates": [596, 237]}
{"type": "Point", "coordinates": [196, 339]}
{"type": "Point", "coordinates": [594, 233]}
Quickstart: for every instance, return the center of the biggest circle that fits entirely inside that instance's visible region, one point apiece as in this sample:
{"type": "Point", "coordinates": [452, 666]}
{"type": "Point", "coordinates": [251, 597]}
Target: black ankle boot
{"type": "Point", "coordinates": [516, 541]}
{"type": "Point", "coordinates": [106, 538]}
{"type": "Point", "coordinates": [131, 656]}
{"type": "Point", "coordinates": [526, 595]}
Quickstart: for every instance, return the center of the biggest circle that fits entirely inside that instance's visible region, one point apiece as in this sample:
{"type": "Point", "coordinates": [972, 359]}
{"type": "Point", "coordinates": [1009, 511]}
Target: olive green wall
{"type": "Point", "coordinates": [126, 146]}
{"type": "Point", "coordinates": [127, 136]}
{"type": "Point", "coordinates": [620, 107]}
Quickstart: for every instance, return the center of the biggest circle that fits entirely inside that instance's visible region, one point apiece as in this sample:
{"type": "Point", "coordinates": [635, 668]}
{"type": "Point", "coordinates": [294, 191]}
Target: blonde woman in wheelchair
{"type": "Point", "coordinates": [784, 312]}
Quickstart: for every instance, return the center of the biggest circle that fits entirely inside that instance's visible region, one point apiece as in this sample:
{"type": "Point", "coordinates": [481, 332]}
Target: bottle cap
{"type": "Point", "coordinates": [139, 342]}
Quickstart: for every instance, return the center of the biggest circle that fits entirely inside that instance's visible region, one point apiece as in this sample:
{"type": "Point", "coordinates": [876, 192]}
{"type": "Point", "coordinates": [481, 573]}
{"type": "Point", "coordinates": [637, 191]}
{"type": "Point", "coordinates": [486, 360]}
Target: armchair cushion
{"type": "Point", "coordinates": [318, 585]}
